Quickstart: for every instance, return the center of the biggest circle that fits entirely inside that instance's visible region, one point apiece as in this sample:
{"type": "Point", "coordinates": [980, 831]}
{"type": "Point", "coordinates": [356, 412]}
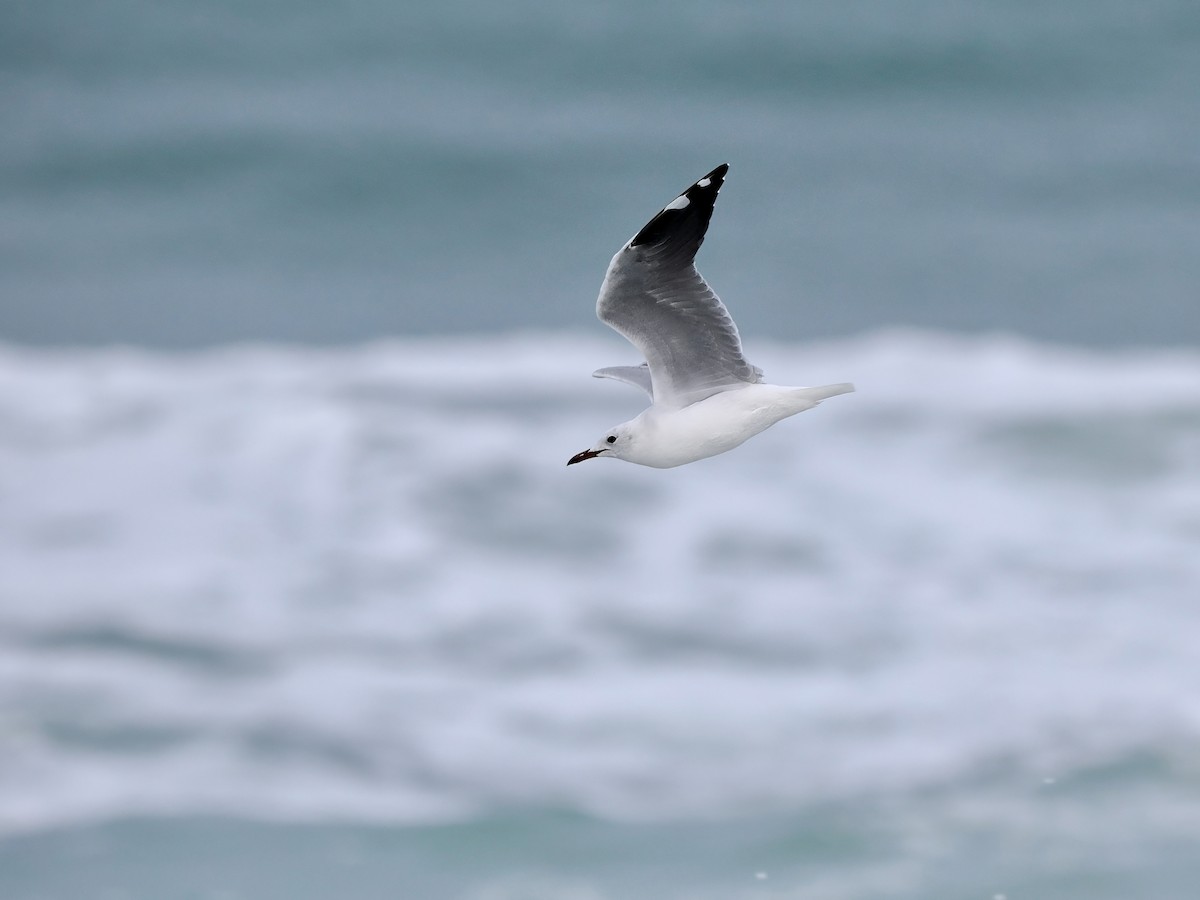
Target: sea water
{"type": "Point", "coordinates": [189, 174]}
{"type": "Point", "coordinates": [312, 622]}
{"type": "Point", "coordinates": [298, 598]}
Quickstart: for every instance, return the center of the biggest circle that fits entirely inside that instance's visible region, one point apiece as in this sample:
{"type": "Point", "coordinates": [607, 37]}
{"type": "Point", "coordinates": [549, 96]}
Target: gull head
{"type": "Point", "coordinates": [616, 442]}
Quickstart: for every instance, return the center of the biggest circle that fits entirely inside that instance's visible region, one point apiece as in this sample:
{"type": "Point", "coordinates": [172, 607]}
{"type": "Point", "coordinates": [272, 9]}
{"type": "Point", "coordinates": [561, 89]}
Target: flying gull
{"type": "Point", "coordinates": [706, 398]}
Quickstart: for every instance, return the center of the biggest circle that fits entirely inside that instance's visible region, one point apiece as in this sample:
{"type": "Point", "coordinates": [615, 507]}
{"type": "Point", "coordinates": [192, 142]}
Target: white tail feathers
{"type": "Point", "coordinates": [825, 391]}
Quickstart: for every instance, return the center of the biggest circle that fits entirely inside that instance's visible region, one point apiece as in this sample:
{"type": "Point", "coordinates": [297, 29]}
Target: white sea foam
{"type": "Point", "coordinates": [307, 583]}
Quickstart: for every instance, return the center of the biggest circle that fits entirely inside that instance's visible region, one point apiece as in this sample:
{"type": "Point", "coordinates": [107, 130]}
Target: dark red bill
{"type": "Point", "coordinates": [580, 457]}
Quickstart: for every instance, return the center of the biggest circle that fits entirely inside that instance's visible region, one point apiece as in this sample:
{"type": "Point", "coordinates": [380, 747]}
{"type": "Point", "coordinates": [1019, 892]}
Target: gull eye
{"type": "Point", "coordinates": [612, 438]}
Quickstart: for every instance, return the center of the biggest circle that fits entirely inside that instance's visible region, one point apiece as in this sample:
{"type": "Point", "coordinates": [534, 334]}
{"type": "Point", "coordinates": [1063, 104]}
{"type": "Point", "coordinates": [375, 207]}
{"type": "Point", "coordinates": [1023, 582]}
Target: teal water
{"type": "Point", "coordinates": [1037, 841]}
{"type": "Point", "coordinates": [180, 175]}
{"type": "Point", "coordinates": [298, 600]}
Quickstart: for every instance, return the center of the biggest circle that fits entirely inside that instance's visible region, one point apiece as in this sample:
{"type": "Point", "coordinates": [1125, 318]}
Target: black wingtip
{"type": "Point", "coordinates": [685, 219]}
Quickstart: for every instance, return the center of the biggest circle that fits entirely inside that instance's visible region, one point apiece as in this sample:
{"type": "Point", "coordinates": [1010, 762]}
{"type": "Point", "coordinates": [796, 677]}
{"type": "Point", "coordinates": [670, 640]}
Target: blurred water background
{"type": "Point", "coordinates": [298, 600]}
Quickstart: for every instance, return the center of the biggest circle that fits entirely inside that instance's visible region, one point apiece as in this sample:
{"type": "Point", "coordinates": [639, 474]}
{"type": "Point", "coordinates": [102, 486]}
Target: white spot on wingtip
{"type": "Point", "coordinates": [704, 182]}
{"type": "Point", "coordinates": [679, 202]}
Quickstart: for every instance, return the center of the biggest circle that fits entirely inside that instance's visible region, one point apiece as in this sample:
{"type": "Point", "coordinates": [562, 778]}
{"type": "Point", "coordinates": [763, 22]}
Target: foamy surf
{"type": "Point", "coordinates": [303, 584]}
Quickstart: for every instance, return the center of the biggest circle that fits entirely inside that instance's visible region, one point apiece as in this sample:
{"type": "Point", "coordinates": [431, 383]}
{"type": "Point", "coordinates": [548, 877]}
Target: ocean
{"type": "Point", "coordinates": [340, 622]}
{"type": "Point", "coordinates": [299, 600]}
{"type": "Point", "coordinates": [181, 175]}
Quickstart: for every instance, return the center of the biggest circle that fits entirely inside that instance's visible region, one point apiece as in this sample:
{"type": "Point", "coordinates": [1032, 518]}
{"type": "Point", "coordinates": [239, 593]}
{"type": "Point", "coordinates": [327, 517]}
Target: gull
{"type": "Point", "coordinates": [705, 397]}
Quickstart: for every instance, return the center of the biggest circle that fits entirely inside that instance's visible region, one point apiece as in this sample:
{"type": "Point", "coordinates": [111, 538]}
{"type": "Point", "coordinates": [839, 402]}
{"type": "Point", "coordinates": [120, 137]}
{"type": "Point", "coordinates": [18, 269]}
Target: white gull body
{"type": "Point", "coordinates": [706, 398]}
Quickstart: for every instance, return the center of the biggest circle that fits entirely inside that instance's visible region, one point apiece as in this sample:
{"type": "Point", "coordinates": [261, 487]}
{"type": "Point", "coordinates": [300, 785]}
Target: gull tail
{"type": "Point", "coordinates": [824, 392]}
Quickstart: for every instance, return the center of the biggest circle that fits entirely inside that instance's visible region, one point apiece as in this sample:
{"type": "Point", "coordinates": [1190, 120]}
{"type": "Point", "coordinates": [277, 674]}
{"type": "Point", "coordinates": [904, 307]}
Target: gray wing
{"type": "Point", "coordinates": [638, 376]}
{"type": "Point", "coordinates": [654, 297]}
